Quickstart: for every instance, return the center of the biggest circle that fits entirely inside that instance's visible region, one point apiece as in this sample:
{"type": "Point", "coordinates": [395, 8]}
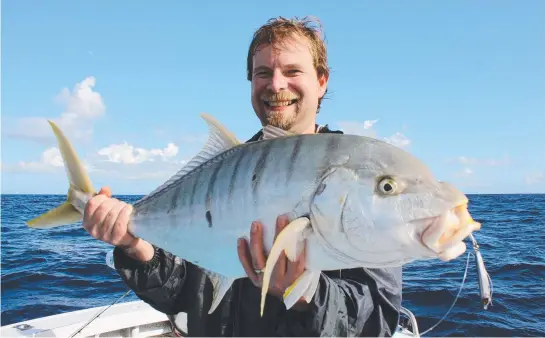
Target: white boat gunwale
{"type": "Point", "coordinates": [128, 319]}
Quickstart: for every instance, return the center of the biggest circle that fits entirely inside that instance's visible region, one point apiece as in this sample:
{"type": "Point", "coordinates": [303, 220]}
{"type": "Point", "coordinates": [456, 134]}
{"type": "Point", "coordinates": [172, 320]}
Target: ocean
{"type": "Point", "coordinates": [63, 269]}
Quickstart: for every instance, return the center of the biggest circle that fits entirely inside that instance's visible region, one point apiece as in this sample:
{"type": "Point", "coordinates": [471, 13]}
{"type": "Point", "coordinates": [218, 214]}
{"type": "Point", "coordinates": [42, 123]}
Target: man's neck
{"type": "Point", "coordinates": [305, 127]}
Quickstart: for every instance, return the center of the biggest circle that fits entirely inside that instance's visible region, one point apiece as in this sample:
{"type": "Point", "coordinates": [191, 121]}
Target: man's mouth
{"type": "Point", "coordinates": [282, 103]}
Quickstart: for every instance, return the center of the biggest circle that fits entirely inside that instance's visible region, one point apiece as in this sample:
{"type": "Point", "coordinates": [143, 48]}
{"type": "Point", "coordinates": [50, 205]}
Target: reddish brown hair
{"type": "Point", "coordinates": [277, 30]}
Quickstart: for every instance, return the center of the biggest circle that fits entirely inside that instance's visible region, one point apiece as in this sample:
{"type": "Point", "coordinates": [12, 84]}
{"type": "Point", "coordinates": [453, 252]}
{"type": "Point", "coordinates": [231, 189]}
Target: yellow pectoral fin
{"type": "Point", "coordinates": [292, 232]}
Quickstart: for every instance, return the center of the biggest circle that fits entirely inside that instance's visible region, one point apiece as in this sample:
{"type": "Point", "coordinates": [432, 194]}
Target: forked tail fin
{"type": "Point", "coordinates": [79, 191]}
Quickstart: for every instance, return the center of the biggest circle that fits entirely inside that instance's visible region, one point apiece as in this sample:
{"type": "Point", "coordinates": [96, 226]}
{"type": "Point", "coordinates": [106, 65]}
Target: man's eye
{"type": "Point", "coordinates": [294, 71]}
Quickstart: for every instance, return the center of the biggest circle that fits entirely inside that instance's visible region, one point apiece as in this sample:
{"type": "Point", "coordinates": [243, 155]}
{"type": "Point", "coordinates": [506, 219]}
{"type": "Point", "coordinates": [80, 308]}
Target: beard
{"type": "Point", "coordinates": [283, 120]}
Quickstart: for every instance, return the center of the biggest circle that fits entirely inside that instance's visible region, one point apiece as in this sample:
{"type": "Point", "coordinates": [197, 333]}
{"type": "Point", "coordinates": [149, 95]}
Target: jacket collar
{"type": "Point", "coordinates": [320, 129]}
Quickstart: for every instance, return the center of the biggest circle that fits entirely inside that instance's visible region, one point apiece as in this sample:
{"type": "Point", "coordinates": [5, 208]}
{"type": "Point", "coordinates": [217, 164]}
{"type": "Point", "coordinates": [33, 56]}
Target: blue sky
{"type": "Point", "coordinates": [460, 84]}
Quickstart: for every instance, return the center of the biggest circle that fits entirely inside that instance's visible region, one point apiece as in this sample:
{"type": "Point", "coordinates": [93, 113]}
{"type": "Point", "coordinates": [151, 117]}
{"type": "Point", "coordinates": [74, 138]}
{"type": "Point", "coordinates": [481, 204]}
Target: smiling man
{"type": "Point", "coordinates": [287, 67]}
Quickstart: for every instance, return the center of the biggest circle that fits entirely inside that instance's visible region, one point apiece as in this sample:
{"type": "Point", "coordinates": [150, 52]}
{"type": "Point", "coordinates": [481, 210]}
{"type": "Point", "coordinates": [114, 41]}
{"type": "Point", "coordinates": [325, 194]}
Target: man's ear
{"type": "Point", "coordinates": [323, 80]}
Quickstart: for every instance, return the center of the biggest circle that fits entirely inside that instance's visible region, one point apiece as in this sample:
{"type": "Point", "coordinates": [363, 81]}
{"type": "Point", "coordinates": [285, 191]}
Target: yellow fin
{"type": "Point", "coordinates": [80, 188]}
{"type": "Point", "coordinates": [294, 231]}
{"type": "Point", "coordinates": [305, 286]}
{"type": "Point", "coordinates": [225, 134]}
{"type": "Point", "coordinates": [61, 215]}
{"type": "Point", "coordinates": [77, 175]}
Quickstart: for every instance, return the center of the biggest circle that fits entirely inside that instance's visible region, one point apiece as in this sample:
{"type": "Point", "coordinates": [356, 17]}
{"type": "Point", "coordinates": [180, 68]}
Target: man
{"type": "Point", "coordinates": [287, 67]}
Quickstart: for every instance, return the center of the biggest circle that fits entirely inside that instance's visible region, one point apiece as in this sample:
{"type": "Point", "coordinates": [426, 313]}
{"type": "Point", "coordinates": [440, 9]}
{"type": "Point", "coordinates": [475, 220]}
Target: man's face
{"type": "Point", "coordinates": [285, 85]}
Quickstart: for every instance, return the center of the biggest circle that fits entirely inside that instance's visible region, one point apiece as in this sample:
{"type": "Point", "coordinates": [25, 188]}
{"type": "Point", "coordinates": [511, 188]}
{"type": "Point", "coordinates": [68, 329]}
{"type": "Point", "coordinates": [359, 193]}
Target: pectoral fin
{"type": "Point", "coordinates": [289, 241]}
{"type": "Point", "coordinates": [305, 286]}
{"type": "Point", "coordinates": [221, 285]}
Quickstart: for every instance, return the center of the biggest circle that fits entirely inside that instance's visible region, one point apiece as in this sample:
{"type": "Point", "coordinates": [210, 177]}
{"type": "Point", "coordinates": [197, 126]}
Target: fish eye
{"type": "Point", "coordinates": [387, 186]}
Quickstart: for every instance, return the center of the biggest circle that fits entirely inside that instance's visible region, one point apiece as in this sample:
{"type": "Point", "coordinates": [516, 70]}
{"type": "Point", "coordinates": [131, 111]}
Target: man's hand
{"type": "Point", "coordinates": [253, 258]}
{"type": "Point", "coordinates": [107, 219]}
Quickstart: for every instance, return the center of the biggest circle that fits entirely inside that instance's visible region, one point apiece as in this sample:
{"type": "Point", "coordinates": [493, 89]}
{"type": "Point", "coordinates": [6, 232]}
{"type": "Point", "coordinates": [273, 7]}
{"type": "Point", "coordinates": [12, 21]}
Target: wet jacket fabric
{"type": "Point", "coordinates": [351, 302]}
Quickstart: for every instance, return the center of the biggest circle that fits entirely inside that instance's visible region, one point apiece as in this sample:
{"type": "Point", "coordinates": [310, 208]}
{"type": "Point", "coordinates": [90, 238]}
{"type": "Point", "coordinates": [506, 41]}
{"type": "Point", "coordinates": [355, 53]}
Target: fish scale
{"type": "Point", "coordinates": [232, 214]}
{"type": "Point", "coordinates": [332, 186]}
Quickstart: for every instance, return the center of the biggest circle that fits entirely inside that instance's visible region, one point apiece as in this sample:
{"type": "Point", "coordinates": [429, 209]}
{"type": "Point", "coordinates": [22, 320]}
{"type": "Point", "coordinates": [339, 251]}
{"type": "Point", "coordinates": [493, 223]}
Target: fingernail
{"type": "Point", "coordinates": [239, 241]}
{"type": "Point", "coordinates": [254, 227]}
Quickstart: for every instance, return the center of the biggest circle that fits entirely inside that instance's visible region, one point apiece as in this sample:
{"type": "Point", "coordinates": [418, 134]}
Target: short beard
{"type": "Point", "coordinates": [281, 121]}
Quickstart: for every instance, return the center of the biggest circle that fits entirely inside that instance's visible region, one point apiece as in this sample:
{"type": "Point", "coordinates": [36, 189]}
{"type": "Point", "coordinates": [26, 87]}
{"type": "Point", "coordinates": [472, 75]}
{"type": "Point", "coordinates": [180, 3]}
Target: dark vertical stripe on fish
{"type": "Point", "coordinates": [293, 158]}
{"type": "Point", "coordinates": [260, 167]}
{"type": "Point", "coordinates": [331, 145]}
{"type": "Point", "coordinates": [196, 184]}
{"type": "Point", "coordinates": [240, 156]}
{"type": "Point", "coordinates": [175, 197]}
{"type": "Point", "coordinates": [212, 183]}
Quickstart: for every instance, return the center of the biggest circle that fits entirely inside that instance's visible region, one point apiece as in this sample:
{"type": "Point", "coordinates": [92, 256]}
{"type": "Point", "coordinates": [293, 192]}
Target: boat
{"type": "Point", "coordinates": [131, 319]}
{"type": "Point", "coordinates": [139, 319]}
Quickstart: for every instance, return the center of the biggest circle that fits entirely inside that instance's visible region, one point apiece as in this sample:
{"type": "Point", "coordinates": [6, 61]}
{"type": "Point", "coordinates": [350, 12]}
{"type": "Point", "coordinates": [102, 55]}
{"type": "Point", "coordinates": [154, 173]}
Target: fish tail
{"type": "Point", "coordinates": [79, 192]}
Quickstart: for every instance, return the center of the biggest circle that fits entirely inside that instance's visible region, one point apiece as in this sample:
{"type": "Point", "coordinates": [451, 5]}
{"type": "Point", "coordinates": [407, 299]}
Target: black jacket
{"type": "Point", "coordinates": [352, 302]}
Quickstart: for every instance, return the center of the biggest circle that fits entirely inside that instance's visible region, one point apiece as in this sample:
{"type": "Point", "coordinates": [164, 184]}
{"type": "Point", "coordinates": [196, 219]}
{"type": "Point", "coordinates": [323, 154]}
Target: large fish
{"type": "Point", "coordinates": [356, 201]}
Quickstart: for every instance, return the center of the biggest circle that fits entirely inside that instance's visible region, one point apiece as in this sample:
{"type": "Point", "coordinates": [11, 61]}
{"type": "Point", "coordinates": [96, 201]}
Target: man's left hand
{"type": "Point", "coordinates": [253, 260]}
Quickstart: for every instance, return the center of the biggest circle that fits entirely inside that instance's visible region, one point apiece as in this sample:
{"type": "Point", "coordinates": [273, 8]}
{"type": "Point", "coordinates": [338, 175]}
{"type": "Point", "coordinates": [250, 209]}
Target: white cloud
{"type": "Point", "coordinates": [156, 171]}
{"type": "Point", "coordinates": [145, 164]}
{"type": "Point", "coordinates": [464, 172]}
{"type": "Point", "coordinates": [468, 164]}
{"type": "Point", "coordinates": [464, 160]}
{"type": "Point", "coordinates": [82, 105]}
{"type": "Point", "coordinates": [366, 128]}
{"type": "Point", "coordinates": [398, 140]}
{"type": "Point", "coordinates": [128, 154]}
{"type": "Point", "coordinates": [534, 178]}
{"type": "Point", "coordinates": [50, 161]}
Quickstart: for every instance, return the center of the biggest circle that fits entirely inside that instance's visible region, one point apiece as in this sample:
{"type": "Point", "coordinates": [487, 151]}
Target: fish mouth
{"type": "Point", "coordinates": [445, 234]}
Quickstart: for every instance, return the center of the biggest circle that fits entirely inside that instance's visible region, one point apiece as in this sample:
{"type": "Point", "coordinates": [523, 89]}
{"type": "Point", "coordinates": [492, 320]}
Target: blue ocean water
{"type": "Point", "coordinates": [62, 269]}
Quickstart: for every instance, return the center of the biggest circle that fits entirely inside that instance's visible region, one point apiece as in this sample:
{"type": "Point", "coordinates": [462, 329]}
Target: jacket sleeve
{"type": "Point", "coordinates": [354, 302]}
{"type": "Point", "coordinates": [160, 282]}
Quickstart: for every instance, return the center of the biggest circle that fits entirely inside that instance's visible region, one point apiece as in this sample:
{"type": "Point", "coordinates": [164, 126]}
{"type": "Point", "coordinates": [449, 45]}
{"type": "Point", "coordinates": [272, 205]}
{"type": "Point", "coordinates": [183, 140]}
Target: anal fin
{"type": "Point", "coordinates": [304, 287]}
{"type": "Point", "coordinates": [221, 285]}
{"type": "Point", "coordinates": [289, 240]}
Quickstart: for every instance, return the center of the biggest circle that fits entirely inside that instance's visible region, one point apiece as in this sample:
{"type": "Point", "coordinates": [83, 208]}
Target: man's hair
{"type": "Point", "coordinates": [277, 30]}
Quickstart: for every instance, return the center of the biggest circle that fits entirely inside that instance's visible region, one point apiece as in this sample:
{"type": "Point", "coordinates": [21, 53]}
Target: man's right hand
{"type": "Point", "coordinates": [107, 219]}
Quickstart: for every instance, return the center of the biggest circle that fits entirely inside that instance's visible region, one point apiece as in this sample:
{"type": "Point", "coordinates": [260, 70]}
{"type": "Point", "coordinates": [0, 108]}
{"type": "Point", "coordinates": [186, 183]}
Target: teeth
{"type": "Point", "coordinates": [279, 103]}
{"type": "Point", "coordinates": [447, 234]}
{"type": "Point", "coordinates": [459, 236]}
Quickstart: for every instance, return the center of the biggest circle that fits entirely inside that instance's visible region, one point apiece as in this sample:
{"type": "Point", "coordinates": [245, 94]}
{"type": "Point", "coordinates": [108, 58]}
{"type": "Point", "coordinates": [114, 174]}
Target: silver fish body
{"type": "Point", "coordinates": [201, 216]}
{"type": "Point", "coordinates": [355, 202]}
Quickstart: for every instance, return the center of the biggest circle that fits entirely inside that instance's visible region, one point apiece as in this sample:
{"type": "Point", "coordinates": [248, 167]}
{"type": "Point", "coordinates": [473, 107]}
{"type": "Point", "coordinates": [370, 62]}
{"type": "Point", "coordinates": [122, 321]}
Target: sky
{"type": "Point", "coordinates": [459, 84]}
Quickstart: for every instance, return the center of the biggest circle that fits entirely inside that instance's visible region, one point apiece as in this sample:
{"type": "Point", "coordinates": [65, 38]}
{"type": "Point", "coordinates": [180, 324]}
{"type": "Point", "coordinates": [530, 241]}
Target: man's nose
{"type": "Point", "coordinates": [278, 82]}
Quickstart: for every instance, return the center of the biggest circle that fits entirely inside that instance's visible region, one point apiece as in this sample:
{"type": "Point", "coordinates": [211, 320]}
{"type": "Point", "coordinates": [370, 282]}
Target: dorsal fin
{"type": "Point", "coordinates": [270, 132]}
{"type": "Point", "coordinates": [219, 140]}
